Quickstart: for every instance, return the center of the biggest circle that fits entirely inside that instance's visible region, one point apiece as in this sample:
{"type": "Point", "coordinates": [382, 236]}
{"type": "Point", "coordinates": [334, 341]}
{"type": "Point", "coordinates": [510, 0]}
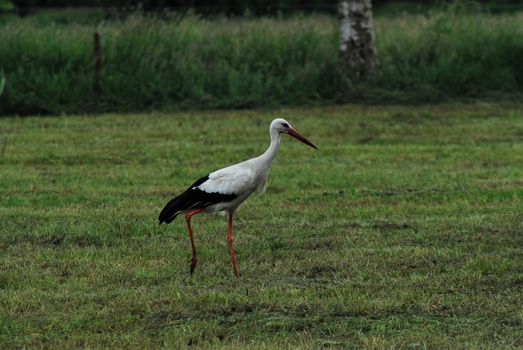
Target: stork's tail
{"type": "Point", "coordinates": [173, 208]}
{"type": "Point", "coordinates": [182, 202]}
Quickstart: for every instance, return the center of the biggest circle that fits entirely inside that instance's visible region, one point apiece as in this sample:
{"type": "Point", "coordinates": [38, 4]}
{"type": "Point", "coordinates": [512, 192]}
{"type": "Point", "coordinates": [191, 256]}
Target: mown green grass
{"type": "Point", "coordinates": [179, 62]}
{"type": "Point", "coordinates": [403, 230]}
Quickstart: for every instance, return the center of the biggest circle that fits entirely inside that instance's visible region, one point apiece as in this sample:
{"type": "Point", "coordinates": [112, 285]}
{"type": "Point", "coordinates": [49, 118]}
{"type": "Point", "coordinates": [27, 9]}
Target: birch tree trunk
{"type": "Point", "coordinates": [357, 52]}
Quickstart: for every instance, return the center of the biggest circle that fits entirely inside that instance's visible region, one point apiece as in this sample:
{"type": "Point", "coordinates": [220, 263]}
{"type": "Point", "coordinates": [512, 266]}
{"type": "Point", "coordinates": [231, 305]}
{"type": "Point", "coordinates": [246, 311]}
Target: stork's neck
{"type": "Point", "coordinates": [270, 153]}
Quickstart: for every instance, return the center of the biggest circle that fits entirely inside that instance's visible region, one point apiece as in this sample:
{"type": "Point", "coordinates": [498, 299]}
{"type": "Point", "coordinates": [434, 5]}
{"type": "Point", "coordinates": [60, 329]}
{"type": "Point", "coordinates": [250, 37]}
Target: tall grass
{"type": "Point", "coordinates": [191, 62]}
{"type": "Point", "coordinates": [453, 53]}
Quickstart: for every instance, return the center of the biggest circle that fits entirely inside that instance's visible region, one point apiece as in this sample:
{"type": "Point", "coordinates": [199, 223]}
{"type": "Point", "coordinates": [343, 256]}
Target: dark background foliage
{"type": "Point", "coordinates": [237, 7]}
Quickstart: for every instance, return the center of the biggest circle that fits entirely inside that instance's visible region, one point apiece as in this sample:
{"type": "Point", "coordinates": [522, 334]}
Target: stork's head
{"type": "Point", "coordinates": [284, 127]}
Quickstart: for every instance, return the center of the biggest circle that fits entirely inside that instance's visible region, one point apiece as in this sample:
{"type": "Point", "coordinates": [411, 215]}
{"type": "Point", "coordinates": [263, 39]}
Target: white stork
{"type": "Point", "coordinates": [225, 189]}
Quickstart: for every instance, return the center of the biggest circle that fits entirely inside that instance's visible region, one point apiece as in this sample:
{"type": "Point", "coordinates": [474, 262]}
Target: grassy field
{"type": "Point", "coordinates": [404, 230]}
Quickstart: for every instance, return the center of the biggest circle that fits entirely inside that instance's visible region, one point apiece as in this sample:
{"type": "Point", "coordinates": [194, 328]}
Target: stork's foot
{"type": "Point", "coordinates": [194, 261]}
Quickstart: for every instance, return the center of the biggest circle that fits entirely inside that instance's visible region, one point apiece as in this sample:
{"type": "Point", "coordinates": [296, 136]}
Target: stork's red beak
{"type": "Point", "coordinates": [299, 137]}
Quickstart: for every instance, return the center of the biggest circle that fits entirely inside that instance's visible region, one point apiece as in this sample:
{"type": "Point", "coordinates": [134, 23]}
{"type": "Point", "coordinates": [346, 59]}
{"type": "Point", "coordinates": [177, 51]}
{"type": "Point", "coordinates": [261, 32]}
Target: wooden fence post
{"type": "Point", "coordinates": [97, 66]}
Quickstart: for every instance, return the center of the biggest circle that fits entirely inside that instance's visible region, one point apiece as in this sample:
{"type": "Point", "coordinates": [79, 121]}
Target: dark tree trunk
{"type": "Point", "coordinates": [357, 51]}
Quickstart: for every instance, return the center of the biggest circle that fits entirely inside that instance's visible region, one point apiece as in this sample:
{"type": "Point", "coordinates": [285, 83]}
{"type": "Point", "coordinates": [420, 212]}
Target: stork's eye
{"type": "Point", "coordinates": [285, 125]}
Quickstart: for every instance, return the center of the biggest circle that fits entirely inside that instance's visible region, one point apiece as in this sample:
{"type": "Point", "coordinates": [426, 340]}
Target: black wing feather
{"type": "Point", "coordinates": [192, 198]}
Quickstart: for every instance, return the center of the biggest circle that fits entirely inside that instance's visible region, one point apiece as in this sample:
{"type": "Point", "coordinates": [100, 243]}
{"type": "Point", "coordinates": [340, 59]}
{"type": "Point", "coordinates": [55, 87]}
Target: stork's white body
{"type": "Point", "coordinates": [241, 179]}
{"type": "Point", "coordinates": [227, 188]}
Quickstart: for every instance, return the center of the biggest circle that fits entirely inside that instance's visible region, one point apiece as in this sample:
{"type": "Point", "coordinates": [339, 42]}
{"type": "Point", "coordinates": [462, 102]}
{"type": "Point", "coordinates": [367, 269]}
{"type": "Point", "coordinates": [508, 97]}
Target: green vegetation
{"type": "Point", "coordinates": [402, 231]}
{"type": "Point", "coordinates": [184, 62]}
{"type": "Point", "coordinates": [6, 6]}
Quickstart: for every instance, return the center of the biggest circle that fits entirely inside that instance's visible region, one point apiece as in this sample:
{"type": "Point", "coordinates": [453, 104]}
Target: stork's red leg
{"type": "Point", "coordinates": [231, 247]}
{"type": "Point", "coordinates": [188, 215]}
